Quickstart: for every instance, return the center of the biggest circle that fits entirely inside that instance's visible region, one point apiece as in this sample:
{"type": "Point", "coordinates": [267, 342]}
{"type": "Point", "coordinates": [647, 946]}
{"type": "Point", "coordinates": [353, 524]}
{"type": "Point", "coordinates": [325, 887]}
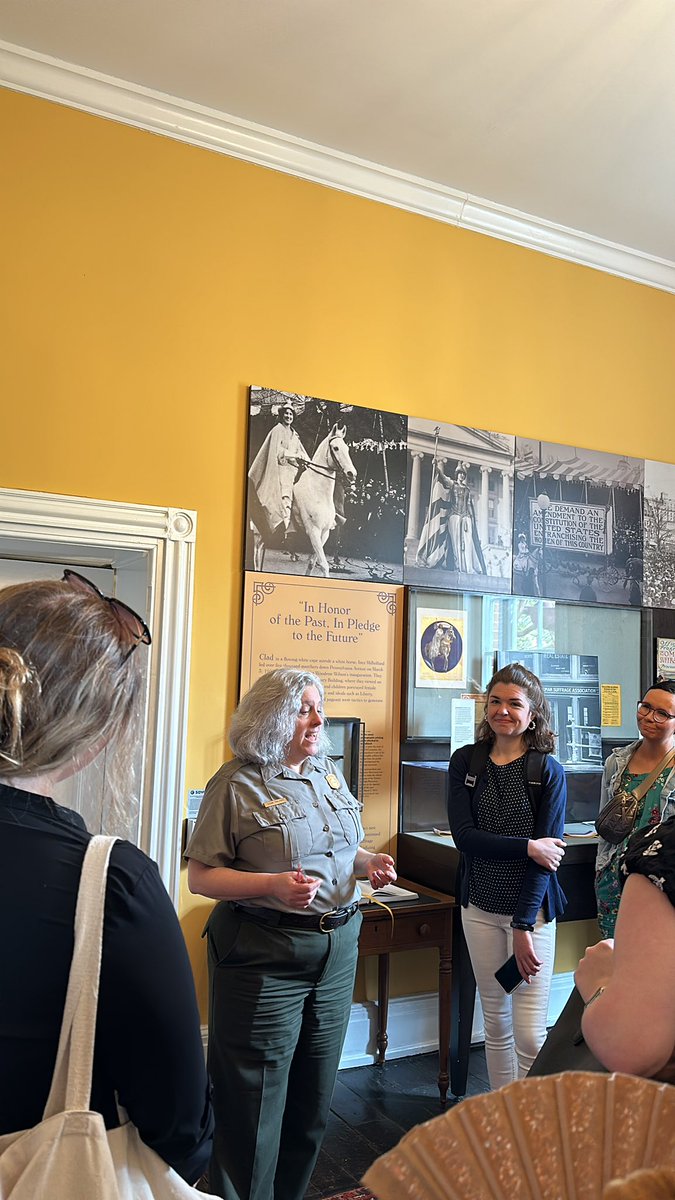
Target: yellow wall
{"type": "Point", "coordinates": [146, 284]}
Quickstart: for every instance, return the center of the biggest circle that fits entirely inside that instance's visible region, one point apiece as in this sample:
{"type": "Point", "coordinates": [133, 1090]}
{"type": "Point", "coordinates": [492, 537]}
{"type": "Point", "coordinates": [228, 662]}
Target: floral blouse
{"type": "Point", "coordinates": [651, 852]}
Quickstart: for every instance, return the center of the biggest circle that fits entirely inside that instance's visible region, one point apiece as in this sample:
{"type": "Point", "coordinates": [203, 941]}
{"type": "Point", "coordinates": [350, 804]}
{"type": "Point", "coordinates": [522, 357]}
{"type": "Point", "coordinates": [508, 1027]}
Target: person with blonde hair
{"type": "Point", "coordinates": [70, 684]}
{"type": "Point", "coordinates": [277, 842]}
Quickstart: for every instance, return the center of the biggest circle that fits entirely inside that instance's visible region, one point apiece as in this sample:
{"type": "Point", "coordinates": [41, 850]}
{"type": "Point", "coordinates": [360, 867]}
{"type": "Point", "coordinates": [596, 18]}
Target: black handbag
{"type": "Point", "coordinates": [565, 1048]}
{"type": "Point", "coordinates": [615, 821]}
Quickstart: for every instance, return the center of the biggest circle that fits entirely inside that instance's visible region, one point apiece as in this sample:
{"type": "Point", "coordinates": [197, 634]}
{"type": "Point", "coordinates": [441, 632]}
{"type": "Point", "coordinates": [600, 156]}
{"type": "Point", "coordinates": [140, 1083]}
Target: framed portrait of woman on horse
{"type": "Point", "coordinates": [326, 488]}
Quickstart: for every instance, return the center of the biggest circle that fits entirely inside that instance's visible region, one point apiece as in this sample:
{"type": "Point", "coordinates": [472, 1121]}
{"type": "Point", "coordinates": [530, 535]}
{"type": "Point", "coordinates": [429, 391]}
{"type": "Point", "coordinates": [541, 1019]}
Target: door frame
{"type": "Point", "coordinates": [103, 532]}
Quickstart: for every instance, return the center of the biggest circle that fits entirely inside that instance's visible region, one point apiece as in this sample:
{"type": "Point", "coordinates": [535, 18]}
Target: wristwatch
{"type": "Point", "coordinates": [522, 925]}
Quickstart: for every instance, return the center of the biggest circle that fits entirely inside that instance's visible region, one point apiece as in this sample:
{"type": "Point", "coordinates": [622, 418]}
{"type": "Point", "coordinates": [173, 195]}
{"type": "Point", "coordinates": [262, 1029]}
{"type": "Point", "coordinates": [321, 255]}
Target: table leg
{"type": "Point", "coordinates": [382, 1006]}
{"type": "Point", "coordinates": [463, 992]}
{"type": "Point", "coordinates": [444, 1013]}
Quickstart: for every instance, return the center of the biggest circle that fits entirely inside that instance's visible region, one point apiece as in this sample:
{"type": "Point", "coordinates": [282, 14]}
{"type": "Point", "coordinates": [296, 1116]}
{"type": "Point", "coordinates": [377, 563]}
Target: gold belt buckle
{"type": "Point", "coordinates": [322, 919]}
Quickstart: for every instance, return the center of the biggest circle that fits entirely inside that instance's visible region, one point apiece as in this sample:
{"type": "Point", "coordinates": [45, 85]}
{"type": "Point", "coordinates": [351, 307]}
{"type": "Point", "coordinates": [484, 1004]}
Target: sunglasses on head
{"type": "Point", "coordinates": [133, 627]}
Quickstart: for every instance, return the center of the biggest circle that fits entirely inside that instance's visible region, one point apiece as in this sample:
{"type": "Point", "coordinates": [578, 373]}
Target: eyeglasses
{"type": "Point", "coordinates": [132, 626]}
{"type": "Point", "coordinates": [659, 714]}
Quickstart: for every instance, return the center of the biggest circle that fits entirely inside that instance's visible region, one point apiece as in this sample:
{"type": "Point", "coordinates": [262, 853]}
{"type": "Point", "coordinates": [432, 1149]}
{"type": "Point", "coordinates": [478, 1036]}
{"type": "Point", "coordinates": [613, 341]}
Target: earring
{"type": "Point", "coordinates": [532, 724]}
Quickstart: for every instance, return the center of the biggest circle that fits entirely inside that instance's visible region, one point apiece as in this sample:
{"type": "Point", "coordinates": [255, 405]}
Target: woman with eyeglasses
{"type": "Point", "coordinates": [71, 684]}
{"type": "Point", "coordinates": [626, 769]}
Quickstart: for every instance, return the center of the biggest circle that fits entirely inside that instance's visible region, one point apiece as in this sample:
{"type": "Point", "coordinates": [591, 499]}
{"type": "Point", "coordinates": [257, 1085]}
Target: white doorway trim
{"type": "Point", "coordinates": [103, 532]}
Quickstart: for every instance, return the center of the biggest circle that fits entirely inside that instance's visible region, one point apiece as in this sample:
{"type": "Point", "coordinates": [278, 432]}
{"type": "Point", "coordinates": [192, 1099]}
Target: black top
{"type": "Point", "coordinates": [504, 808]}
{"type": "Point", "coordinates": [539, 887]}
{"type": "Point", "coordinates": [148, 1045]}
{"type": "Point", "coordinates": [651, 852]}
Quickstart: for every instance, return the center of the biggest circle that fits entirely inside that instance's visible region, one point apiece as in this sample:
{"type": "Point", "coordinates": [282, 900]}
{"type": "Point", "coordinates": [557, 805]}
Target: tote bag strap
{"type": "Point", "coordinates": [71, 1081]}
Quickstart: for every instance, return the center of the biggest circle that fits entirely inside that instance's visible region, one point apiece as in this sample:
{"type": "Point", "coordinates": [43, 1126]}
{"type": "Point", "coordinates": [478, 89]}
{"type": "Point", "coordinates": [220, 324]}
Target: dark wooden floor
{"type": "Point", "coordinates": [373, 1107]}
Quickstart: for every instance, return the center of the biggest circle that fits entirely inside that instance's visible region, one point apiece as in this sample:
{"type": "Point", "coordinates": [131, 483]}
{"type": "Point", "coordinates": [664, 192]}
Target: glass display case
{"type": "Point", "coordinates": [427, 854]}
{"type": "Point", "coordinates": [455, 643]}
{"type": "Point", "coordinates": [346, 749]}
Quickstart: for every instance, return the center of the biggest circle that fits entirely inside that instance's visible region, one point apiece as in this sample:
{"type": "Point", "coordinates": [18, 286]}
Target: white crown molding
{"type": "Point", "coordinates": [102, 95]}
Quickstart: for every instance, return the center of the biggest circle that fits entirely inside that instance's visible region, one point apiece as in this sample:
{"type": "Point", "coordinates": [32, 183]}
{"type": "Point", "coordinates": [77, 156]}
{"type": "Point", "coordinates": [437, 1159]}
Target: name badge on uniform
{"type": "Point", "coordinates": [334, 782]}
{"type": "Point", "coordinates": [271, 803]}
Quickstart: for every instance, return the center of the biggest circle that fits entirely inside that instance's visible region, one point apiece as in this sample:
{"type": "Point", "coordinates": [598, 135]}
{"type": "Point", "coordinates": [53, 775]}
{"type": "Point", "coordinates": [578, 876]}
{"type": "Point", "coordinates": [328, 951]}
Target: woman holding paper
{"type": "Point", "coordinates": [277, 842]}
{"type": "Point", "coordinates": [507, 815]}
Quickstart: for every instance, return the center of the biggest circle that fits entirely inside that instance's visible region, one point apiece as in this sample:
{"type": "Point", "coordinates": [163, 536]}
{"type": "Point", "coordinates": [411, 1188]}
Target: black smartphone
{"type": "Point", "coordinates": [508, 975]}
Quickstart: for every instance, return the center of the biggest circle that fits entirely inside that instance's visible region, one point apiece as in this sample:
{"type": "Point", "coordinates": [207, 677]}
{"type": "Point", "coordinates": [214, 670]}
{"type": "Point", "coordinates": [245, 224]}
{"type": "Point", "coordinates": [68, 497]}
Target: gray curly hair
{"type": "Point", "coordinates": [263, 724]}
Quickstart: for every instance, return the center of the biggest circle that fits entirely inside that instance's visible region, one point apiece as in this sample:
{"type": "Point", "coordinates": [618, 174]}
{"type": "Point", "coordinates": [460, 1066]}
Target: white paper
{"type": "Point", "coordinates": [195, 797]}
{"type": "Point", "coordinates": [462, 723]}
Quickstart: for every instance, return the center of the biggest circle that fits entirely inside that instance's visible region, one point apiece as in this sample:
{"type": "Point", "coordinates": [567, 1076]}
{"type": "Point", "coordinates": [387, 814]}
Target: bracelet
{"type": "Point", "coordinates": [522, 925]}
{"type": "Point", "coordinates": [595, 995]}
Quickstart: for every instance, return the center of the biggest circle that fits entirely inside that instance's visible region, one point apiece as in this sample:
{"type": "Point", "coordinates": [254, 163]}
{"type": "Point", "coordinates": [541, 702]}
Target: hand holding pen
{"type": "Point", "coordinates": [294, 888]}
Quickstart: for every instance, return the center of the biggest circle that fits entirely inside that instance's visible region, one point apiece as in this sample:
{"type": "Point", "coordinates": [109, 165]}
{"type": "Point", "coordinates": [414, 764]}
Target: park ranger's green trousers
{"type": "Point", "coordinates": [278, 1013]}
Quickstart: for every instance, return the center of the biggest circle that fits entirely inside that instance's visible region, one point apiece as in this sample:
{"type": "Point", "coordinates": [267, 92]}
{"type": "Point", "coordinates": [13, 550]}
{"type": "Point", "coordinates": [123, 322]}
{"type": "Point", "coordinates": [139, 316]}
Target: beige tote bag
{"type": "Point", "coordinates": [70, 1155]}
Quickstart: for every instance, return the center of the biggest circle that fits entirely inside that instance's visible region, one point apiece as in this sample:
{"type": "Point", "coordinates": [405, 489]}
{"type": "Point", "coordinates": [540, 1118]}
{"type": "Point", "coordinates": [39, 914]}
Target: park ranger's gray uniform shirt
{"type": "Point", "coordinates": [261, 818]}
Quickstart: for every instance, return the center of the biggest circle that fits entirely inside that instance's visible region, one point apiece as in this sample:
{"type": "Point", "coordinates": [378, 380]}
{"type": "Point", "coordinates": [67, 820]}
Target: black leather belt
{"type": "Point", "coordinates": [334, 919]}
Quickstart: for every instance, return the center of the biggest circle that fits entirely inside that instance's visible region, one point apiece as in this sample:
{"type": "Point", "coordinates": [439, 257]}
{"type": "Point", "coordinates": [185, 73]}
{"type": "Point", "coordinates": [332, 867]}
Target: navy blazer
{"type": "Point", "coordinates": [540, 888]}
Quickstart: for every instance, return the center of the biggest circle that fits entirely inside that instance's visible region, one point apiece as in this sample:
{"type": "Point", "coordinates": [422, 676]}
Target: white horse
{"type": "Point", "coordinates": [314, 492]}
{"type": "Point", "coordinates": [313, 499]}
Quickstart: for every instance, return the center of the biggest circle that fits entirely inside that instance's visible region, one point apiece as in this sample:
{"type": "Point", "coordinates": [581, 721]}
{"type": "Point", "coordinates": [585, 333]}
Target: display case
{"type": "Point", "coordinates": [346, 749]}
{"type": "Point", "coordinates": [456, 640]}
{"type": "Point", "coordinates": [427, 854]}
{"type": "Point", "coordinates": [455, 643]}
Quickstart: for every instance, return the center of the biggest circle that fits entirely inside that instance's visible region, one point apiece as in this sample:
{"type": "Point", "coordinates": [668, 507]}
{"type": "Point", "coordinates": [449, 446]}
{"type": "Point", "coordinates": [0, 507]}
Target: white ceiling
{"type": "Point", "coordinates": [561, 109]}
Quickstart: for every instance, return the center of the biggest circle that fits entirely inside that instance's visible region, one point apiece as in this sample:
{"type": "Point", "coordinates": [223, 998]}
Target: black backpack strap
{"type": "Point", "coordinates": [479, 755]}
{"type": "Point", "coordinates": [534, 770]}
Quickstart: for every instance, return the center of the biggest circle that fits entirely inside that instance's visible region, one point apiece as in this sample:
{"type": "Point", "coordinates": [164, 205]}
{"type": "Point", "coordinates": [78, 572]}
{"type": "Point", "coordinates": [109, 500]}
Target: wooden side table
{"type": "Point", "coordinates": [418, 924]}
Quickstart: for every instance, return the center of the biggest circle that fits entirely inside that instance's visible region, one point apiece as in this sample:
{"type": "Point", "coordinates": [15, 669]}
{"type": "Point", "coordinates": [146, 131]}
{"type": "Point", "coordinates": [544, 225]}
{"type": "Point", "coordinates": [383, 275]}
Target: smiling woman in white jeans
{"type": "Point", "coordinates": [510, 838]}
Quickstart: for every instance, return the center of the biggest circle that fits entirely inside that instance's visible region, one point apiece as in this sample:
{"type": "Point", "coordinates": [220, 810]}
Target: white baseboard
{"type": "Point", "coordinates": [412, 1025]}
{"type": "Point", "coordinates": [561, 986]}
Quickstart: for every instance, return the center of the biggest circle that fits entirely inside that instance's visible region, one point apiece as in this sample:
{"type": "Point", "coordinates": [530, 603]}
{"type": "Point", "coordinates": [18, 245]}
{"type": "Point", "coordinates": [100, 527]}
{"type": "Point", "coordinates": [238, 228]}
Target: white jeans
{"type": "Point", "coordinates": [515, 1025]}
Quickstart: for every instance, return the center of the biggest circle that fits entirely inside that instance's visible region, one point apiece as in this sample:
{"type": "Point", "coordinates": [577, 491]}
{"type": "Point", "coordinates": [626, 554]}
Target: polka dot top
{"type": "Point", "coordinates": [505, 808]}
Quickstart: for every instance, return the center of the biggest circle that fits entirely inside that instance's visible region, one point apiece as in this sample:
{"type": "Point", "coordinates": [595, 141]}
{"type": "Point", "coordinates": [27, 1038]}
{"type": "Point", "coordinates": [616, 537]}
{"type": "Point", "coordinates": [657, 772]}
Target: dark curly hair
{"type": "Point", "coordinates": [542, 736]}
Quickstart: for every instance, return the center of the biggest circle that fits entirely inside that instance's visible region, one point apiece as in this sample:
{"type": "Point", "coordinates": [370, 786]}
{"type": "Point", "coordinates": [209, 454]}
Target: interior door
{"type": "Point", "coordinates": [88, 792]}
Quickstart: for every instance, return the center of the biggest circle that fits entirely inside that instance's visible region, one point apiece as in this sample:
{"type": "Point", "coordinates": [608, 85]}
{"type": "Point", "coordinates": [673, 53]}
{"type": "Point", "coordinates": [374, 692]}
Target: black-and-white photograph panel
{"type": "Point", "coordinates": [577, 529]}
{"type": "Point", "coordinates": [659, 544]}
{"type": "Point", "coordinates": [326, 488]}
{"type": "Point", "coordinates": [460, 507]}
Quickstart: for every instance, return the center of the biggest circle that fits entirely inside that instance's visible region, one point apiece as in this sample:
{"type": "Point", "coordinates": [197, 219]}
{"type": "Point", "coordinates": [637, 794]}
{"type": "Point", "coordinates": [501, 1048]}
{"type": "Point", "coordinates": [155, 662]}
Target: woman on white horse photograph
{"type": "Point", "coordinates": [326, 488]}
{"type": "Point", "coordinates": [275, 469]}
